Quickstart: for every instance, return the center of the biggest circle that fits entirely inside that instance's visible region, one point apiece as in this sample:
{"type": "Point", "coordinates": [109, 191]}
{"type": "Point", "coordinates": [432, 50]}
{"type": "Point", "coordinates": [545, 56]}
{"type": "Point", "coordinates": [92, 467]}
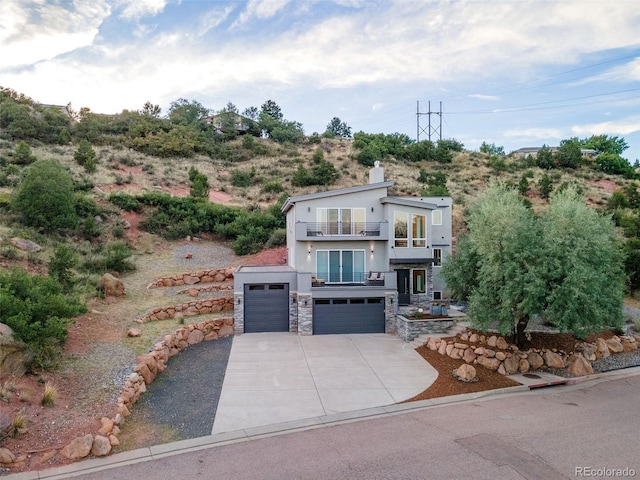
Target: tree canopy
{"type": "Point", "coordinates": [566, 265]}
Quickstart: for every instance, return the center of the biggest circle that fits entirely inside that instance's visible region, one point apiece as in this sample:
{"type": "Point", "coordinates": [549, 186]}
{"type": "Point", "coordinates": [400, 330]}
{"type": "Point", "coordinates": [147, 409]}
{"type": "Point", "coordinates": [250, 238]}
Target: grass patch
{"type": "Point", "coordinates": [49, 396]}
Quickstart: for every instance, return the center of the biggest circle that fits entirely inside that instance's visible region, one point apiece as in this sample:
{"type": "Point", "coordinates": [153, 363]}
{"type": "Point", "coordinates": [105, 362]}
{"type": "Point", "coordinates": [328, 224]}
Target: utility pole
{"type": "Point", "coordinates": [430, 128]}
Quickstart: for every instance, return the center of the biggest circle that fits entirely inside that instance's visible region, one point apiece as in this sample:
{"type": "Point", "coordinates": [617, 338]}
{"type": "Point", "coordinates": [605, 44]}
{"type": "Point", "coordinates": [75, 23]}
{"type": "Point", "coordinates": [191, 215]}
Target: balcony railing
{"type": "Point", "coordinates": [321, 229]}
{"type": "Point", "coordinates": [357, 278]}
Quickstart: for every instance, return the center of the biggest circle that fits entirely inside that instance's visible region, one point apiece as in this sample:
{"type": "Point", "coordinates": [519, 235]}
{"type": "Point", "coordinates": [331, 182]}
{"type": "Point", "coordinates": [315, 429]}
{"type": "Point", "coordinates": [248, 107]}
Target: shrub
{"type": "Point", "coordinates": [60, 266]}
{"type": "Point", "coordinates": [278, 237]}
{"type": "Point", "coordinates": [85, 155]}
{"type": "Point", "coordinates": [273, 186]}
{"type": "Point", "coordinates": [199, 184]}
{"type": "Point", "coordinates": [49, 396]}
{"type": "Point", "coordinates": [125, 202]}
{"type": "Point", "coordinates": [22, 154]}
{"type": "Point", "coordinates": [117, 256]}
{"type": "Point", "coordinates": [242, 179]}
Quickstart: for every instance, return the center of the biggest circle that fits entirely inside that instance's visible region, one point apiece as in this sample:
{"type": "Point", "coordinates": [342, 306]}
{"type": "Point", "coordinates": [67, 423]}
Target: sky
{"type": "Point", "coordinates": [516, 73]}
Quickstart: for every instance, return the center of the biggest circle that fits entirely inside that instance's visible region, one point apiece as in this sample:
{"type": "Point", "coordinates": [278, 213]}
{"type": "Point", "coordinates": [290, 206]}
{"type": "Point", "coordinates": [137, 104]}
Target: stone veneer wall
{"type": "Point", "coordinates": [408, 328]}
{"type": "Point", "coordinates": [305, 314]}
{"type": "Point", "coordinates": [390, 312]}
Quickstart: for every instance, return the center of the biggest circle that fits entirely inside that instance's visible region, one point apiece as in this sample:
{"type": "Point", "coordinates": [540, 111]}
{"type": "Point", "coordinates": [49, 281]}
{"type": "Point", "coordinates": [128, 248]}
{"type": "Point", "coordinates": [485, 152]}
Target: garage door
{"type": "Point", "coordinates": [266, 307]}
{"type": "Point", "coordinates": [348, 315]}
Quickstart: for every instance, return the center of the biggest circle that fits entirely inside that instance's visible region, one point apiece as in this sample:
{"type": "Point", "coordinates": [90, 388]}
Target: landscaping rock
{"type": "Point", "coordinates": [602, 349]}
{"type": "Point", "coordinates": [25, 245]}
{"type": "Point", "coordinates": [134, 332]}
{"type": "Point", "coordinates": [501, 343]}
{"type": "Point", "coordinates": [535, 360]}
{"type": "Point", "coordinates": [553, 359]}
{"type": "Point", "coordinates": [101, 446]}
{"type": "Point", "coordinates": [578, 366]}
{"type": "Point", "coordinates": [14, 354]}
{"type": "Point", "coordinates": [79, 447]}
{"type": "Point", "coordinates": [6, 456]}
{"type": "Point", "coordinates": [614, 345]}
{"type": "Point", "coordinates": [466, 372]}
{"type": "Point", "coordinates": [492, 341]}
{"type": "Point", "coordinates": [524, 366]}
{"type": "Point", "coordinates": [112, 286]}
{"type": "Point", "coordinates": [511, 364]}
{"type": "Point", "coordinates": [468, 355]}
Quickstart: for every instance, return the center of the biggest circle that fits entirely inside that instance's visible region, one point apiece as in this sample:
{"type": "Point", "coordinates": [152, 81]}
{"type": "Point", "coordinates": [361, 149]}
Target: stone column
{"type": "Point", "coordinates": [238, 313]}
{"type": "Point", "coordinates": [390, 311]}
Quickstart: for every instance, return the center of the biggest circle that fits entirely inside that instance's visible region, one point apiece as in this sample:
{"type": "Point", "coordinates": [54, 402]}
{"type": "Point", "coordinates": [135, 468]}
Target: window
{"type": "Point", "coordinates": [436, 217]}
{"type": "Point", "coordinates": [340, 221]}
{"type": "Point", "coordinates": [419, 281]}
{"type": "Point", "coordinates": [419, 230]}
{"type": "Point", "coordinates": [437, 257]}
{"type": "Point", "coordinates": [400, 227]}
{"type": "Point", "coordinates": [340, 266]}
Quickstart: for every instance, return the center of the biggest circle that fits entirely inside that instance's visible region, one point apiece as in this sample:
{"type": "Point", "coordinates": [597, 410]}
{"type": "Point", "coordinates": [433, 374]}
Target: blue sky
{"type": "Point", "coordinates": [514, 73]}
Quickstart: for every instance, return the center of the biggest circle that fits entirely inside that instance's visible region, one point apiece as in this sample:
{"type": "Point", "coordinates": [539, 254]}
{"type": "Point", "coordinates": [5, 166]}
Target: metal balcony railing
{"type": "Point", "coordinates": [320, 229]}
{"type": "Point", "coordinates": [356, 278]}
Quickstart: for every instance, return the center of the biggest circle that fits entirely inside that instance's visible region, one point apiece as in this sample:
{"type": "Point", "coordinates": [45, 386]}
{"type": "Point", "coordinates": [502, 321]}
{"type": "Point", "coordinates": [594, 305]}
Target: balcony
{"type": "Point", "coordinates": [358, 279]}
{"type": "Point", "coordinates": [336, 231]}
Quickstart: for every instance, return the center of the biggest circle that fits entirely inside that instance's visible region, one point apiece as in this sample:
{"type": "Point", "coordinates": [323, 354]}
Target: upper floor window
{"type": "Point", "coordinates": [436, 217]}
{"type": "Point", "coordinates": [340, 221]}
{"type": "Point", "coordinates": [437, 257]}
{"type": "Point", "coordinates": [401, 229]}
{"type": "Point", "coordinates": [419, 230]}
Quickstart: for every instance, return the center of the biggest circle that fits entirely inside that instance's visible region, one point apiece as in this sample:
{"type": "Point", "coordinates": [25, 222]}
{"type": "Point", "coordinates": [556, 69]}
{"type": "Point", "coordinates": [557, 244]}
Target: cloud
{"type": "Point", "coordinates": [377, 106]}
{"type": "Point", "coordinates": [260, 9]}
{"type": "Point", "coordinates": [135, 9]}
{"type": "Point", "coordinates": [484, 97]}
{"type": "Point", "coordinates": [533, 133]}
{"type": "Point", "coordinates": [32, 31]}
{"type": "Point", "coordinates": [212, 19]}
{"type": "Point", "coordinates": [624, 126]}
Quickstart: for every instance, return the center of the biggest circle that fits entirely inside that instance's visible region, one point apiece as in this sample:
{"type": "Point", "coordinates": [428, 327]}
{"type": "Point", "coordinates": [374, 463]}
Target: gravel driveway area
{"type": "Point", "coordinates": [185, 396]}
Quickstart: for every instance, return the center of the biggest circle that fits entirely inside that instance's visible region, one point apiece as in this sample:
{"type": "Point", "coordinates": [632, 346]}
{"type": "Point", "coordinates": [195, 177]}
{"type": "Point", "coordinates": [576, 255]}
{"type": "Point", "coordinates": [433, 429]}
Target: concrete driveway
{"type": "Point", "coordinates": [280, 377]}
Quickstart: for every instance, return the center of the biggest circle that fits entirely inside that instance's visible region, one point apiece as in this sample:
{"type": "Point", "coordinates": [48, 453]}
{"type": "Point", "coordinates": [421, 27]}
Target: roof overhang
{"type": "Point", "coordinates": [291, 201]}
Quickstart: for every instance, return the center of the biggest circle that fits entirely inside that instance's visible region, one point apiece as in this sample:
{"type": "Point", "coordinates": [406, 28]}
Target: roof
{"type": "Point", "coordinates": [291, 201]}
{"type": "Point", "coordinates": [412, 202]}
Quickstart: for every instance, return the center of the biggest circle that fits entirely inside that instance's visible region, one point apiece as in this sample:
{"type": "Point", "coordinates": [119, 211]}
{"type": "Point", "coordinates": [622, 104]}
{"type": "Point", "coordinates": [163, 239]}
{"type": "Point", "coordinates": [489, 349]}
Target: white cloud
{"type": "Point", "coordinates": [135, 9]}
{"type": "Point", "coordinates": [211, 20]}
{"type": "Point", "coordinates": [377, 106]}
{"type": "Point", "coordinates": [624, 126]}
{"type": "Point", "coordinates": [533, 133]}
{"type": "Point", "coordinates": [483, 97]}
{"type": "Point", "coordinates": [261, 9]}
{"type": "Point", "coordinates": [32, 31]}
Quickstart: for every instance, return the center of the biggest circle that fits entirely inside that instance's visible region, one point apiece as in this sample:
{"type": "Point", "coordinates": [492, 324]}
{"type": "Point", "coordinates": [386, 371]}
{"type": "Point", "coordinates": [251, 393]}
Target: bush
{"type": "Point", "coordinates": [22, 154]}
{"type": "Point", "coordinates": [117, 256]}
{"type": "Point", "coordinates": [45, 197]}
{"type": "Point", "coordinates": [278, 238]}
{"type": "Point", "coordinates": [242, 179]}
{"type": "Point", "coordinates": [199, 184]}
{"type": "Point", "coordinates": [60, 266]}
{"type": "Point", "coordinates": [125, 202]}
{"type": "Point", "coordinates": [37, 311]}
{"type": "Point", "coordinates": [85, 156]}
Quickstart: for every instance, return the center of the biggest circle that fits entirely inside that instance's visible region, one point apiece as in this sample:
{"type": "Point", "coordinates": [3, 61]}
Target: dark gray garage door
{"type": "Point", "coordinates": [266, 307]}
{"type": "Point", "coordinates": [348, 315]}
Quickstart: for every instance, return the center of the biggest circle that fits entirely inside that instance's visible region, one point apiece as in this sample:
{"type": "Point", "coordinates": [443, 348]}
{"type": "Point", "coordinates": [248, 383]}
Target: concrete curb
{"type": "Point", "coordinates": [175, 448]}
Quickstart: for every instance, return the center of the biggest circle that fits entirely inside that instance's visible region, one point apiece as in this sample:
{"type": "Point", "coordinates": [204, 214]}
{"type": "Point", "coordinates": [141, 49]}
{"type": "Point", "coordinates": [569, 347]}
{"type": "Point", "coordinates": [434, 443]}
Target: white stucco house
{"type": "Point", "coordinates": [353, 256]}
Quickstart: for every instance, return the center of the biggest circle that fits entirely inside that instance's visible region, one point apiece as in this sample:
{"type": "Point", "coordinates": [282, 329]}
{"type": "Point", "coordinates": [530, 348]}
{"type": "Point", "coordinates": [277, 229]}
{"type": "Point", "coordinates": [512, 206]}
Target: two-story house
{"type": "Point", "coordinates": [353, 256]}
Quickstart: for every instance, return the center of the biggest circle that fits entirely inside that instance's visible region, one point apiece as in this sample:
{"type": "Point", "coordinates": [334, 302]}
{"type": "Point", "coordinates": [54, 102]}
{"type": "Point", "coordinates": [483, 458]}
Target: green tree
{"type": "Point", "coordinates": [85, 156]}
{"type": "Point", "coordinates": [187, 113]}
{"type": "Point", "coordinates": [491, 149]}
{"type": "Point", "coordinates": [544, 158]}
{"type": "Point", "coordinates": [614, 164]}
{"type": "Point", "coordinates": [338, 128]}
{"type": "Point", "coordinates": [22, 154]}
{"type": "Point", "coordinates": [199, 184]}
{"type": "Point", "coordinates": [566, 265]}
{"type": "Point", "coordinates": [523, 186]}
{"type": "Point", "coordinates": [569, 154]}
{"type": "Point", "coordinates": [605, 144]}
{"type": "Point", "coordinates": [45, 197]}
{"type": "Point", "coordinates": [287, 131]}
{"type": "Point", "coordinates": [437, 184]}
{"type": "Point", "coordinates": [545, 185]}
{"type": "Point", "coordinates": [61, 265]}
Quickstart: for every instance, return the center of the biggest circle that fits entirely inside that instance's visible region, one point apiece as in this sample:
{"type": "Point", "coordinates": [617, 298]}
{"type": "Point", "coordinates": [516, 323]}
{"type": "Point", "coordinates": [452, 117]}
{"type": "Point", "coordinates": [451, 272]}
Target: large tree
{"type": "Point", "coordinates": [566, 266]}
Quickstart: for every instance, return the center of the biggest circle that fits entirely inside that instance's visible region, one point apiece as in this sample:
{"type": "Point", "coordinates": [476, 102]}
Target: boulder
{"type": "Point", "coordinates": [492, 341]}
{"type": "Point", "coordinates": [501, 343]}
{"type": "Point", "coordinates": [14, 354]}
{"type": "Point", "coordinates": [466, 372]}
{"type": "Point", "coordinates": [614, 345]}
{"type": "Point", "coordinates": [511, 365]}
{"type": "Point", "coordinates": [134, 332]}
{"type": "Point", "coordinates": [113, 440]}
{"type": "Point", "coordinates": [112, 286]}
{"type": "Point", "coordinates": [6, 456]}
{"type": "Point", "coordinates": [79, 447]}
{"type": "Point", "coordinates": [553, 359]}
{"type": "Point", "coordinates": [101, 446]}
{"type": "Point", "coordinates": [579, 366]}
{"type": "Point", "coordinates": [501, 356]}
{"type": "Point", "coordinates": [629, 343]}
{"type": "Point", "coordinates": [106, 426]}
{"type": "Point", "coordinates": [524, 365]}
{"type": "Point", "coordinates": [196, 336]}
{"type": "Point", "coordinates": [468, 355]}
{"type": "Point", "coordinates": [25, 245]}
{"type": "Point", "coordinates": [473, 338]}
{"type": "Point", "coordinates": [431, 344]}
{"type": "Point", "coordinates": [602, 349]}
{"type": "Point", "coordinates": [489, 363]}
{"type": "Point", "coordinates": [588, 350]}
{"type": "Point", "coordinates": [191, 280]}
{"type": "Point", "coordinates": [535, 360]}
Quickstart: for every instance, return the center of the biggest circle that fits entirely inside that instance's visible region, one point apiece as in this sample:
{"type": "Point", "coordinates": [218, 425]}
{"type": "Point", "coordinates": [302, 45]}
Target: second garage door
{"type": "Point", "coordinates": [348, 315]}
{"type": "Point", "coordinates": [266, 307]}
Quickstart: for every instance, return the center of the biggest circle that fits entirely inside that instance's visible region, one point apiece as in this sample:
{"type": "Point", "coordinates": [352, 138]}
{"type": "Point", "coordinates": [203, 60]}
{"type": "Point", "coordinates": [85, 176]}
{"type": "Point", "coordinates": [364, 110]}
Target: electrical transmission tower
{"type": "Point", "coordinates": [430, 128]}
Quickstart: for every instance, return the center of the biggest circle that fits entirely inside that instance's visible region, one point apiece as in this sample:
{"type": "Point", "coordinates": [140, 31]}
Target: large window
{"type": "Point", "coordinates": [400, 229]}
{"type": "Point", "coordinates": [419, 230]}
{"type": "Point", "coordinates": [419, 281]}
{"type": "Point", "coordinates": [340, 266]}
{"type": "Point", "coordinates": [340, 221]}
{"type": "Point", "coordinates": [436, 217]}
{"type": "Point", "coordinates": [437, 257]}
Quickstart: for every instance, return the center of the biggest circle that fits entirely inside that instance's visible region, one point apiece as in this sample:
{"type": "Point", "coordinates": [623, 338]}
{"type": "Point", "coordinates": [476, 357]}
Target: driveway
{"type": "Point", "coordinates": [280, 377]}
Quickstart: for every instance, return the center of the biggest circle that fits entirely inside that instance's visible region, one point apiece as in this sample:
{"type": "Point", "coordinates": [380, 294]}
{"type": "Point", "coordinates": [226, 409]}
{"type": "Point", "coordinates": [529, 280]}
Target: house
{"type": "Point", "coordinates": [353, 256]}
{"type": "Point", "coordinates": [533, 152]}
{"type": "Point", "coordinates": [224, 121]}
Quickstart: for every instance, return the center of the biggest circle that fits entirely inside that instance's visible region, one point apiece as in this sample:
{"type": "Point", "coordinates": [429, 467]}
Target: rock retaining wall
{"type": "Point", "coordinates": [197, 307]}
{"type": "Point", "coordinates": [496, 354]}
{"type": "Point", "coordinates": [192, 278]}
{"type": "Point", "coordinates": [409, 328]}
{"type": "Point", "coordinates": [147, 367]}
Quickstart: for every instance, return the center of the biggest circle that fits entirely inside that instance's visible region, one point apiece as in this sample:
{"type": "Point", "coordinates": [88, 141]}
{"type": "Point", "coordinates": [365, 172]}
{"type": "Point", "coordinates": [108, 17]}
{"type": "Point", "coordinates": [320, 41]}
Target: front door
{"type": "Point", "coordinates": [403, 287]}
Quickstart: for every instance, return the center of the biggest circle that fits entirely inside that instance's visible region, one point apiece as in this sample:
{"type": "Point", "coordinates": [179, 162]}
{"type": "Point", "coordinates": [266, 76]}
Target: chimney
{"type": "Point", "coordinates": [376, 174]}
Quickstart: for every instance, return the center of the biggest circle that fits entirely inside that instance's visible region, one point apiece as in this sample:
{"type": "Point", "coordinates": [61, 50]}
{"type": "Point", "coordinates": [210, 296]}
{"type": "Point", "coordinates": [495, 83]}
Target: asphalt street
{"type": "Point", "coordinates": [553, 433]}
